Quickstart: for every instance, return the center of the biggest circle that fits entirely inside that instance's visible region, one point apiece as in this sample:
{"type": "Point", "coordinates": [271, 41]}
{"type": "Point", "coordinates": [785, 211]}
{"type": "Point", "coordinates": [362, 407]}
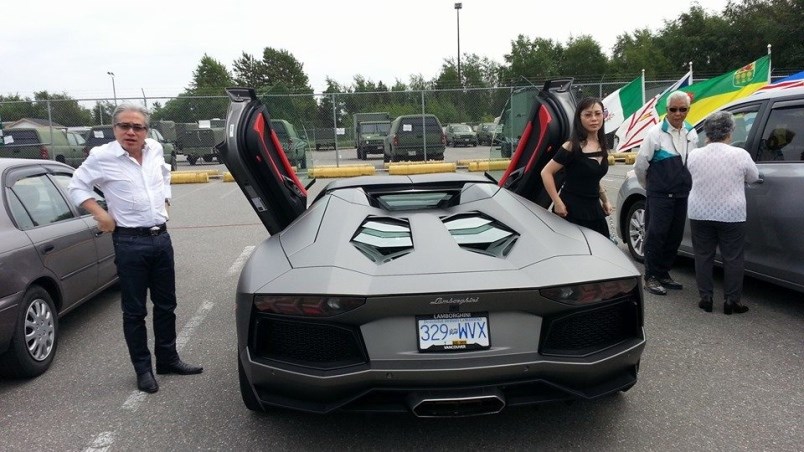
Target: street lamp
{"type": "Point", "coordinates": [114, 90]}
{"type": "Point", "coordinates": [458, 7]}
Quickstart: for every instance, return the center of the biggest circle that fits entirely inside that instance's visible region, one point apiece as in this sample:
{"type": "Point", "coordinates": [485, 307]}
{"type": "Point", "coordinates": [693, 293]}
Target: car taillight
{"type": "Point", "coordinates": [443, 139]}
{"type": "Point", "coordinates": [590, 292]}
{"type": "Point", "coordinates": [396, 140]}
{"type": "Point", "coordinates": [309, 306]}
{"type": "Point", "coordinates": [43, 153]}
{"type": "Point", "coordinates": [86, 152]}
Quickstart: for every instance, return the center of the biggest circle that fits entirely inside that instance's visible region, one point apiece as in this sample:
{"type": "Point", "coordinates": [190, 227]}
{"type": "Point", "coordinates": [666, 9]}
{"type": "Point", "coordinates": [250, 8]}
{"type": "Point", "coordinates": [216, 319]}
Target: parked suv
{"type": "Point", "coordinates": [100, 135]}
{"type": "Point", "coordinates": [43, 143]}
{"type": "Point", "coordinates": [770, 126]}
{"type": "Point", "coordinates": [415, 137]}
{"type": "Point", "coordinates": [295, 146]}
{"type": "Point", "coordinates": [488, 133]}
{"type": "Point", "coordinates": [460, 134]}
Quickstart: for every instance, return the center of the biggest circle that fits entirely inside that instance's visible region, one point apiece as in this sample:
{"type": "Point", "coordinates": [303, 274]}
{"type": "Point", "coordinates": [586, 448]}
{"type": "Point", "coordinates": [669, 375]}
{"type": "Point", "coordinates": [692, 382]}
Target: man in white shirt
{"type": "Point", "coordinates": [661, 168]}
{"type": "Point", "coordinates": [135, 180]}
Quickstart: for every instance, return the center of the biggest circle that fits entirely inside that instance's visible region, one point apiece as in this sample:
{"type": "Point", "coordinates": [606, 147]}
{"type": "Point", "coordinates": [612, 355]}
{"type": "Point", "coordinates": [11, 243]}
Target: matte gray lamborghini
{"type": "Point", "coordinates": [442, 295]}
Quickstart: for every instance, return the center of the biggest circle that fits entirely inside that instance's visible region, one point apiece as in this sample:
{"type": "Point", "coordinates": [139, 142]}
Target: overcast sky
{"type": "Point", "coordinates": [154, 46]}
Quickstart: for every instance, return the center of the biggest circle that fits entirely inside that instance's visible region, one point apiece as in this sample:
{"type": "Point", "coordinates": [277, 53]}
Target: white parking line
{"type": "Point", "coordinates": [101, 443]}
{"type": "Point", "coordinates": [200, 187]}
{"type": "Point", "coordinates": [240, 261]}
{"type": "Point", "coordinates": [134, 400]}
{"type": "Point", "coordinates": [190, 327]}
{"type": "Point", "coordinates": [236, 189]}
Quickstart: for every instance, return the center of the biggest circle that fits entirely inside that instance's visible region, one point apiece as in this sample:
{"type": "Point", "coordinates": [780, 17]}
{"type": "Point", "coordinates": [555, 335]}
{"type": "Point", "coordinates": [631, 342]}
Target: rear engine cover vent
{"type": "Point", "coordinates": [479, 233]}
{"type": "Point", "coordinates": [383, 239]}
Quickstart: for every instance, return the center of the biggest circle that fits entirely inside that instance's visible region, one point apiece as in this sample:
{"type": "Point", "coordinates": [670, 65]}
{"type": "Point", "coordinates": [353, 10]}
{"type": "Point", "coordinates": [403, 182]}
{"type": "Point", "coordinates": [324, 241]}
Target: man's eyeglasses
{"type": "Point", "coordinates": [128, 125]}
{"type": "Point", "coordinates": [675, 109]}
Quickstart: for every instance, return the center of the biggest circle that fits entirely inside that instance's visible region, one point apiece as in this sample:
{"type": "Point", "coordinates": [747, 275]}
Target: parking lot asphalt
{"type": "Point", "coordinates": [707, 381]}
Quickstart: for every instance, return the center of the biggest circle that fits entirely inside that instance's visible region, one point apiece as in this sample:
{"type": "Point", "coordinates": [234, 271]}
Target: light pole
{"type": "Point", "coordinates": [114, 90]}
{"type": "Point", "coordinates": [458, 7]}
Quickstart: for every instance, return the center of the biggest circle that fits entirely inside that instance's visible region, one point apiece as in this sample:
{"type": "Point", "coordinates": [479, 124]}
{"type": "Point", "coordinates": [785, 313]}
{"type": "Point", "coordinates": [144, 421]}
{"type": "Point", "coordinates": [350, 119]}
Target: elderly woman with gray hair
{"type": "Point", "coordinates": [716, 210]}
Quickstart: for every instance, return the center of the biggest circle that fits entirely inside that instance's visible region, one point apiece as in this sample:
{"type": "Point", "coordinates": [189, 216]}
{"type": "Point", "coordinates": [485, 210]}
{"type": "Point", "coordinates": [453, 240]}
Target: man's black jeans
{"type": "Point", "coordinates": [145, 263]}
{"type": "Point", "coordinates": [664, 229]}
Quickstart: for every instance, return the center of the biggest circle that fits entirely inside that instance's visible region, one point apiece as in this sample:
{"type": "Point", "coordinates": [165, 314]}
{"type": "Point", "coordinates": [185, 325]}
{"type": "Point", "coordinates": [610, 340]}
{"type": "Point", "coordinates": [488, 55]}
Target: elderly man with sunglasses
{"type": "Point", "coordinates": [661, 168]}
{"type": "Point", "coordinates": [135, 180]}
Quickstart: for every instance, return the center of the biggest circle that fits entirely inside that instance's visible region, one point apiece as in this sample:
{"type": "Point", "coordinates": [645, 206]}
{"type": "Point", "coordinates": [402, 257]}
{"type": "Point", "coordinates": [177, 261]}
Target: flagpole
{"type": "Point", "coordinates": [770, 61]}
{"type": "Point", "coordinates": [643, 86]}
{"type": "Point", "coordinates": [692, 78]}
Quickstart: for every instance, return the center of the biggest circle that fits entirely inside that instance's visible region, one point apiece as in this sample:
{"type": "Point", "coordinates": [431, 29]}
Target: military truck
{"type": "Point", "coordinates": [514, 118]}
{"type": "Point", "coordinates": [370, 130]}
{"type": "Point", "coordinates": [324, 138]}
{"type": "Point", "coordinates": [199, 143]}
{"type": "Point", "coordinates": [294, 145]}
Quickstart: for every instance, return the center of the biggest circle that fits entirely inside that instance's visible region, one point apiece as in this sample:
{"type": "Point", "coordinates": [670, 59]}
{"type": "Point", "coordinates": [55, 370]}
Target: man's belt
{"type": "Point", "coordinates": [154, 230]}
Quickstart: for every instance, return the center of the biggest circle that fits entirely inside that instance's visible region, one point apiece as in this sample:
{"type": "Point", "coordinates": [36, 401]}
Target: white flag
{"type": "Point", "coordinates": [632, 131]}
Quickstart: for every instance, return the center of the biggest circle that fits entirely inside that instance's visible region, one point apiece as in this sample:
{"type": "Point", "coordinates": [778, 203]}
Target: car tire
{"type": "Point", "coordinates": [208, 158]}
{"type": "Point", "coordinates": [28, 360]}
{"type": "Point", "coordinates": [191, 159]}
{"type": "Point", "coordinates": [174, 164]}
{"type": "Point", "coordinates": [249, 399]}
{"type": "Point", "coordinates": [635, 230]}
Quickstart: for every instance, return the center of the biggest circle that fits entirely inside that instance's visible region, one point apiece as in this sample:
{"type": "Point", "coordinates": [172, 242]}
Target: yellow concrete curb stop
{"type": "Point", "coordinates": [341, 171]}
{"type": "Point", "coordinates": [185, 177]}
{"type": "Point", "coordinates": [418, 168]}
{"type": "Point", "coordinates": [488, 165]}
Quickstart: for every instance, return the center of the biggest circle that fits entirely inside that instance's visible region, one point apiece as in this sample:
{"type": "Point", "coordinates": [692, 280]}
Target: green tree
{"type": "Point", "coordinates": [204, 98]}
{"type": "Point", "coordinates": [248, 71]}
{"type": "Point", "coordinates": [583, 58]}
{"type": "Point", "coordinates": [60, 108]}
{"type": "Point", "coordinates": [13, 108]}
{"type": "Point", "coordinates": [639, 50]}
{"type": "Point", "coordinates": [753, 24]}
{"type": "Point", "coordinates": [531, 60]}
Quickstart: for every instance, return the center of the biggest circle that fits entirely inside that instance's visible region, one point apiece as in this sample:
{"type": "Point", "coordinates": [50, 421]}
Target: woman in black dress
{"type": "Point", "coordinates": [584, 158]}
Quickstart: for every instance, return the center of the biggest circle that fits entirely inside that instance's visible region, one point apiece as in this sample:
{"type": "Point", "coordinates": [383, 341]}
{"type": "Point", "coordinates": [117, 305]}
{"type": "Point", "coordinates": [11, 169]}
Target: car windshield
{"type": "Point", "coordinates": [461, 128]}
{"type": "Point", "coordinates": [376, 128]}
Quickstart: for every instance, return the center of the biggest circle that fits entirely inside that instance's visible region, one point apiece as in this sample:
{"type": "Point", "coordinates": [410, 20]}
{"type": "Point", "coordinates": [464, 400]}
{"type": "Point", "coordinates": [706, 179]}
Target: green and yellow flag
{"type": "Point", "coordinates": [709, 95]}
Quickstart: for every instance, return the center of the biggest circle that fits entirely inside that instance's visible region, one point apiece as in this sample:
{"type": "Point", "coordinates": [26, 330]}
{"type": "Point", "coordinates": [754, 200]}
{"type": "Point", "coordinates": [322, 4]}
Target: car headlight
{"type": "Point", "coordinates": [304, 305]}
{"type": "Point", "coordinates": [590, 292]}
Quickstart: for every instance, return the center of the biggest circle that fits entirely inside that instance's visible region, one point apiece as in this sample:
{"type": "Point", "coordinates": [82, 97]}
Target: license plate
{"type": "Point", "coordinates": [453, 331]}
{"type": "Point", "coordinates": [411, 152]}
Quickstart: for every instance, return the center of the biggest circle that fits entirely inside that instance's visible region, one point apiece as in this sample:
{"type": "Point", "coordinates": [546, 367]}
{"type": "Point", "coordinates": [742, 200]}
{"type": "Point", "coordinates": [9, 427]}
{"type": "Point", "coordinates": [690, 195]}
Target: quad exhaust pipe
{"type": "Point", "coordinates": [456, 403]}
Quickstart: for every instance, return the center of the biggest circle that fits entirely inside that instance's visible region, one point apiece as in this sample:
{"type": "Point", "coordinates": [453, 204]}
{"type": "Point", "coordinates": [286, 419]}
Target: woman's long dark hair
{"type": "Point", "coordinates": [579, 133]}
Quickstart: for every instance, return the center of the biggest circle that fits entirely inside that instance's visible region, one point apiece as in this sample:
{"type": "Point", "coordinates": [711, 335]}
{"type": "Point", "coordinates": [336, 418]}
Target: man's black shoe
{"type": "Point", "coordinates": [705, 303]}
{"type": "Point", "coordinates": [147, 383]}
{"type": "Point", "coordinates": [178, 367]}
{"type": "Point", "coordinates": [668, 283]}
{"type": "Point", "coordinates": [653, 286]}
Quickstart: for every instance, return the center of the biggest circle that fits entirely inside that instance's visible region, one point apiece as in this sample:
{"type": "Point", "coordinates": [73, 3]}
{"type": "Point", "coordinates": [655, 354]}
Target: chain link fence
{"type": "Point", "coordinates": [314, 122]}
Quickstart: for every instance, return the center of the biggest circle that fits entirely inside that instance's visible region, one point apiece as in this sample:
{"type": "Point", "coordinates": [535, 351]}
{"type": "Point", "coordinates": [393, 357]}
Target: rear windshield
{"type": "Point", "coordinates": [99, 136]}
{"type": "Point", "coordinates": [461, 128]}
{"type": "Point", "coordinates": [21, 137]}
{"type": "Point", "coordinates": [415, 199]}
{"type": "Point", "coordinates": [415, 125]}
